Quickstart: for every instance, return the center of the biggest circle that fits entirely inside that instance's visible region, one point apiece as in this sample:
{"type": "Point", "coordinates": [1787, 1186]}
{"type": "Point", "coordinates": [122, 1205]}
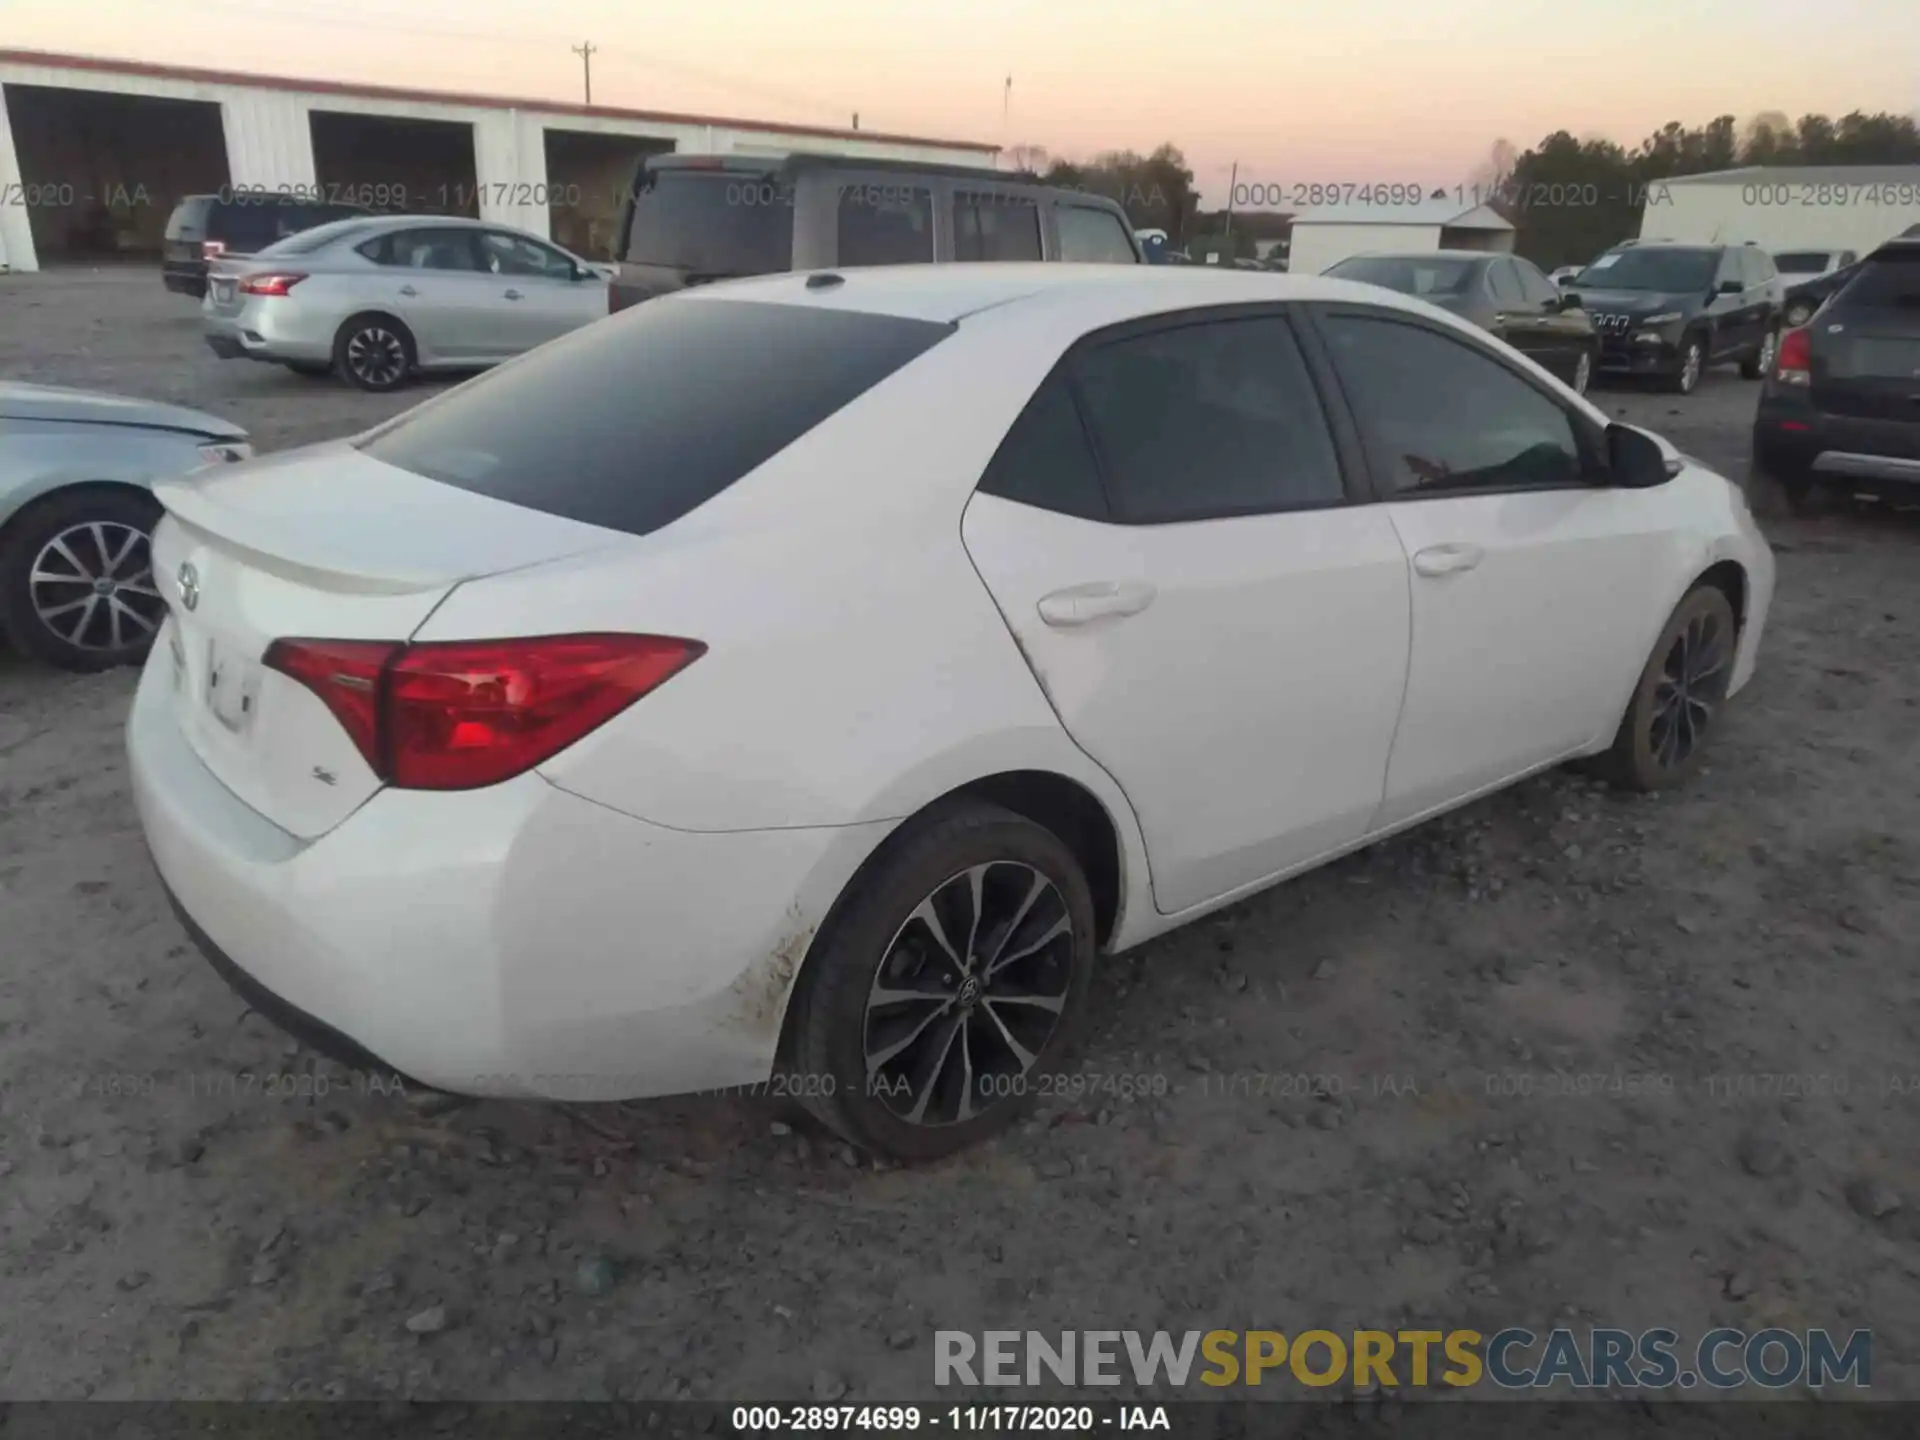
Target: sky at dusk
{"type": "Point", "coordinates": [1323, 91]}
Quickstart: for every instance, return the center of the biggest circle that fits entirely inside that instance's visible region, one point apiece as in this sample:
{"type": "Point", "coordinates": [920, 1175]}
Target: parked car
{"type": "Point", "coordinates": [1504, 294]}
{"type": "Point", "coordinates": [1796, 267]}
{"type": "Point", "coordinates": [1841, 408]}
{"type": "Point", "coordinates": [1670, 311]}
{"type": "Point", "coordinates": [690, 219]}
{"type": "Point", "coordinates": [234, 226]}
{"type": "Point", "coordinates": [378, 300]}
{"type": "Point", "coordinates": [1805, 297]}
{"type": "Point", "coordinates": [544, 742]}
{"type": "Point", "coordinates": [76, 512]}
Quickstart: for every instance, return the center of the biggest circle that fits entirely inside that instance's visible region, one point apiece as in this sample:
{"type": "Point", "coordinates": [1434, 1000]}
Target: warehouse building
{"type": "Point", "coordinates": [95, 153]}
{"type": "Point", "coordinates": [1786, 207]}
{"type": "Point", "coordinates": [1324, 237]}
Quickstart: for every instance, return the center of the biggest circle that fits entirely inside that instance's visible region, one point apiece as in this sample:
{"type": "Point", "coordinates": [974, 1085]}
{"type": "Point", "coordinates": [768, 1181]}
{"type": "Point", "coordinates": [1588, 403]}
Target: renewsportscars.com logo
{"type": "Point", "coordinates": [1510, 1359]}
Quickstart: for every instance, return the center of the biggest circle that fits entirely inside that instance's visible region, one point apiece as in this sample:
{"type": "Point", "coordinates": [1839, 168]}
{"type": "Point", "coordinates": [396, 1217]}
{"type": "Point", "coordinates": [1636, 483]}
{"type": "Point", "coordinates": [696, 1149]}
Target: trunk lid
{"type": "Point", "coordinates": [320, 543]}
{"type": "Point", "coordinates": [1866, 348]}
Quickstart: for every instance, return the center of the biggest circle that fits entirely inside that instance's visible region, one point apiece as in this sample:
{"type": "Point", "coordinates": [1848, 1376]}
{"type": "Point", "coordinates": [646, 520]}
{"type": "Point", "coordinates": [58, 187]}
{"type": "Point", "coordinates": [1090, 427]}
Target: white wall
{"type": "Point", "coordinates": [1730, 214]}
{"type": "Point", "coordinates": [1317, 247]}
{"type": "Point", "coordinates": [270, 140]}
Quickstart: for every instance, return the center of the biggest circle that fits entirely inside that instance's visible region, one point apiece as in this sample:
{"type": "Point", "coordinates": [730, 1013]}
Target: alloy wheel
{"type": "Point", "coordinates": [1690, 364]}
{"type": "Point", "coordinates": [92, 586]}
{"type": "Point", "coordinates": [1693, 681]}
{"type": "Point", "coordinates": [376, 355]}
{"type": "Point", "coordinates": [968, 994]}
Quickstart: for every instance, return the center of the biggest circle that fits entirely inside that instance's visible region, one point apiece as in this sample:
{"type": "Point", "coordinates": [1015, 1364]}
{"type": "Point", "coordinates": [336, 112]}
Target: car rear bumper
{"type": "Point", "coordinates": [514, 941]}
{"type": "Point", "coordinates": [1794, 439]}
{"type": "Point", "coordinates": [257, 331]}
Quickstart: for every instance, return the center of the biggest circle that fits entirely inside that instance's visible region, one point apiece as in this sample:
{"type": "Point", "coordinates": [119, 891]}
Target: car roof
{"type": "Point", "coordinates": [1430, 255]}
{"type": "Point", "coordinates": [946, 294]}
{"type": "Point", "coordinates": [799, 162]}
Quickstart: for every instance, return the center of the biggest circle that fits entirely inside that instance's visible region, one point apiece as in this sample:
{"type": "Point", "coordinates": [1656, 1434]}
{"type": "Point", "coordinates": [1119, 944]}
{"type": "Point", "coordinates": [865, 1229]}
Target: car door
{"type": "Point", "coordinates": [1533, 587]}
{"type": "Point", "coordinates": [1518, 319]}
{"type": "Point", "coordinates": [1565, 331]}
{"type": "Point", "coordinates": [1731, 308]}
{"type": "Point", "coordinates": [544, 292]}
{"type": "Point", "coordinates": [431, 277]}
{"type": "Point", "coordinates": [1169, 532]}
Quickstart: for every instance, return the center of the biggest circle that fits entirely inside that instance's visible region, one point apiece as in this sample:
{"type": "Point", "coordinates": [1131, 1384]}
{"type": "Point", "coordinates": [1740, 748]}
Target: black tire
{"type": "Point", "coordinates": [1641, 757]}
{"type": "Point", "coordinates": [1756, 365]}
{"type": "Point", "coordinates": [1685, 376]}
{"type": "Point", "coordinates": [76, 533]}
{"type": "Point", "coordinates": [929, 864]}
{"type": "Point", "coordinates": [374, 352]}
{"type": "Point", "coordinates": [309, 370]}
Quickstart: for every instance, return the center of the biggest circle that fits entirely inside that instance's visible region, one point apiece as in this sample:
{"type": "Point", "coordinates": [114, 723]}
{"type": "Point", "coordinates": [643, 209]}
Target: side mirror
{"type": "Point", "coordinates": [1635, 460]}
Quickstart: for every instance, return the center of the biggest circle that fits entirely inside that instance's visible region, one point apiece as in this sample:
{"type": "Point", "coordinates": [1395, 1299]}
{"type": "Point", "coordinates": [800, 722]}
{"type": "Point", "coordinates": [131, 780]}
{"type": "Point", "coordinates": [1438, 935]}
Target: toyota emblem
{"type": "Point", "coordinates": [189, 585]}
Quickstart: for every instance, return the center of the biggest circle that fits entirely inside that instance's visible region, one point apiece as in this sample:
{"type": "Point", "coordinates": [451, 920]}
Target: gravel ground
{"type": "Point", "coordinates": [184, 1214]}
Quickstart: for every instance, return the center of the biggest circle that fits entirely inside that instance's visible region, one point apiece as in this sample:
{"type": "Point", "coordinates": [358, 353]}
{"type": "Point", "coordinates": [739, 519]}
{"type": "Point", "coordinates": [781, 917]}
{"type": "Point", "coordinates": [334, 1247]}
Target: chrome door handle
{"type": "Point", "coordinates": [513, 294]}
{"type": "Point", "coordinates": [1447, 559]}
{"type": "Point", "coordinates": [408, 290]}
{"type": "Point", "coordinates": [1097, 600]}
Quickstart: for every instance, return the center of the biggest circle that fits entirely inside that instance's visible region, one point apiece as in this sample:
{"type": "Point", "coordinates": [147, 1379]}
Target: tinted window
{"type": "Point", "coordinates": [1440, 415]}
{"type": "Point", "coordinates": [1410, 274]}
{"type": "Point", "coordinates": [635, 420]}
{"type": "Point", "coordinates": [885, 224]}
{"type": "Point", "coordinates": [189, 217]}
{"type": "Point", "coordinates": [1643, 268]}
{"type": "Point", "coordinates": [1206, 420]}
{"type": "Point", "coordinates": [1801, 262]}
{"type": "Point", "coordinates": [505, 254]}
{"type": "Point", "coordinates": [1538, 289]}
{"type": "Point", "coordinates": [1504, 282]}
{"type": "Point", "coordinates": [712, 224]}
{"type": "Point", "coordinates": [1888, 280]}
{"type": "Point", "coordinates": [995, 227]}
{"type": "Point", "coordinates": [1093, 237]}
{"type": "Point", "coordinates": [1045, 459]}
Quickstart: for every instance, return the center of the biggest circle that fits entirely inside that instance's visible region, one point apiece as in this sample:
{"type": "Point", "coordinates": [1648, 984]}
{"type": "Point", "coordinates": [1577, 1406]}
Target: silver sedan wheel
{"type": "Point", "coordinates": [968, 994]}
{"type": "Point", "coordinates": [92, 586]}
{"type": "Point", "coordinates": [377, 356]}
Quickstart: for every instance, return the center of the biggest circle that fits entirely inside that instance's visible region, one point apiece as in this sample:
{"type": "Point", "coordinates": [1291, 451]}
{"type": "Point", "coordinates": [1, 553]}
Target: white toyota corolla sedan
{"type": "Point", "coordinates": [802, 681]}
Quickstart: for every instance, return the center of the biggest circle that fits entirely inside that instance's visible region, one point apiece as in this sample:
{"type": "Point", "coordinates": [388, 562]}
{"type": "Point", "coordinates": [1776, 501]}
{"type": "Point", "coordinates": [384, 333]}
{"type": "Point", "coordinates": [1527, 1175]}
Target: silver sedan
{"type": "Point", "coordinates": [378, 300]}
{"type": "Point", "coordinates": [76, 512]}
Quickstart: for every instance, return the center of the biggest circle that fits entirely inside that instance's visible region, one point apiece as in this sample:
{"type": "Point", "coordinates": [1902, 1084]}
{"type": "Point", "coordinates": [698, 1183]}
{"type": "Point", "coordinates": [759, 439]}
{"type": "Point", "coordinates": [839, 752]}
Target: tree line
{"type": "Point", "coordinates": [1568, 198]}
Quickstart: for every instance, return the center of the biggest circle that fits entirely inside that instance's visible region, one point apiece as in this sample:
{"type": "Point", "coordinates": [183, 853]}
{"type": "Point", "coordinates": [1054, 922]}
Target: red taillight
{"type": "Point", "coordinates": [212, 249]}
{"type": "Point", "coordinates": [457, 715]}
{"type": "Point", "coordinates": [1794, 366]}
{"type": "Point", "coordinates": [278, 282]}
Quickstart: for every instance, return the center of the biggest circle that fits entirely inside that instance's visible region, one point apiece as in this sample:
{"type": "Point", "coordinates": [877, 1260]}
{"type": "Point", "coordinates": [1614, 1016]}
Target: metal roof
{"type": "Point", "coordinates": [102, 65]}
{"type": "Point", "coordinates": [1447, 214]}
{"type": "Point", "coordinates": [1802, 175]}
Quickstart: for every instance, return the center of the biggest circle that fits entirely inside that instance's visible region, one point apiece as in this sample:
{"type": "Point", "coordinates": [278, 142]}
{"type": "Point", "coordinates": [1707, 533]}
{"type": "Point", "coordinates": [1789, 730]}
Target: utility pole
{"type": "Point", "coordinates": [585, 51]}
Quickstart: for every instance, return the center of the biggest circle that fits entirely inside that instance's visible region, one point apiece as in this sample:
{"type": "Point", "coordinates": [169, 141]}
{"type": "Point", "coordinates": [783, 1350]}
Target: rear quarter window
{"type": "Point", "coordinates": [189, 217]}
{"type": "Point", "coordinates": [1884, 282]}
{"type": "Point", "coordinates": [633, 421]}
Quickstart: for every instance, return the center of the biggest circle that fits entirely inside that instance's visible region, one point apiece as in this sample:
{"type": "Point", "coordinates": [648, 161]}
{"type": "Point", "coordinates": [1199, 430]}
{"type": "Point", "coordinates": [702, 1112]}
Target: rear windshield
{"type": "Point", "coordinates": [305, 242]}
{"type": "Point", "coordinates": [1422, 276]}
{"type": "Point", "coordinates": [712, 224]}
{"type": "Point", "coordinates": [190, 215]}
{"type": "Point", "coordinates": [1885, 281]}
{"type": "Point", "coordinates": [633, 421]}
{"type": "Point", "coordinates": [250, 225]}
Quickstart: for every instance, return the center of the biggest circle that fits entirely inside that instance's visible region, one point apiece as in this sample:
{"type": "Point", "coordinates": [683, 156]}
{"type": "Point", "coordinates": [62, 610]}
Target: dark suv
{"type": "Point", "coordinates": [1672, 310]}
{"type": "Point", "coordinates": [688, 219]}
{"type": "Point", "coordinates": [211, 227]}
{"type": "Point", "coordinates": [1841, 409]}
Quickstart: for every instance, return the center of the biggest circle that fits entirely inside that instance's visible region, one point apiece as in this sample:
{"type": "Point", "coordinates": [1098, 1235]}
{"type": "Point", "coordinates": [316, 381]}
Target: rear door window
{"type": "Point", "coordinates": [882, 223]}
{"type": "Point", "coordinates": [1503, 281]}
{"type": "Point", "coordinates": [1885, 282]}
{"type": "Point", "coordinates": [1093, 236]}
{"type": "Point", "coordinates": [711, 224]}
{"type": "Point", "coordinates": [988, 226]}
{"type": "Point", "coordinates": [1209, 420]}
{"type": "Point", "coordinates": [634, 421]}
{"type": "Point", "coordinates": [427, 248]}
